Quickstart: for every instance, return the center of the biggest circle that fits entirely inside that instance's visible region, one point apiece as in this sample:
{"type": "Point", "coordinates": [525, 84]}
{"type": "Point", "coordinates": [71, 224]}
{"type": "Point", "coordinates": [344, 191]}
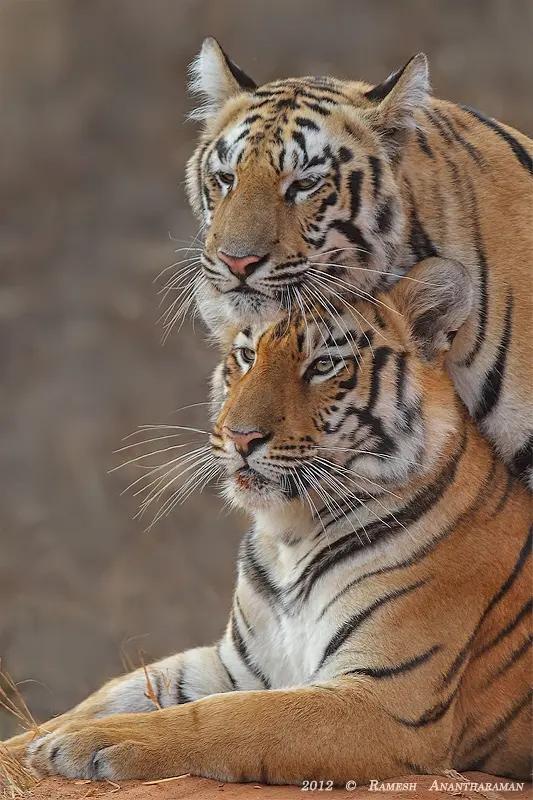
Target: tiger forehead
{"type": "Point", "coordinates": [301, 338]}
{"type": "Point", "coordinates": [281, 111]}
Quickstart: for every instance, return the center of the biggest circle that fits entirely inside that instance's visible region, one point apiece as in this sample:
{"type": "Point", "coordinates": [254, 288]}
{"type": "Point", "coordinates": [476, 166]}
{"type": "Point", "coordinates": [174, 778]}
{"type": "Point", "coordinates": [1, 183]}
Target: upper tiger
{"type": "Point", "coordinates": [313, 188]}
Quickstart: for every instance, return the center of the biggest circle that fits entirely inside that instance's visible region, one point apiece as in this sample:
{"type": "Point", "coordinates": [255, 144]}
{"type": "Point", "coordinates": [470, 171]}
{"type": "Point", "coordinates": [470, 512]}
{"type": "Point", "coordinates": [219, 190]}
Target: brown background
{"type": "Point", "coordinates": [92, 146]}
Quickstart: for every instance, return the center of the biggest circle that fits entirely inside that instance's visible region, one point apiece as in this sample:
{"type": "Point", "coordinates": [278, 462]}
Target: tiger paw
{"type": "Point", "coordinates": [90, 751]}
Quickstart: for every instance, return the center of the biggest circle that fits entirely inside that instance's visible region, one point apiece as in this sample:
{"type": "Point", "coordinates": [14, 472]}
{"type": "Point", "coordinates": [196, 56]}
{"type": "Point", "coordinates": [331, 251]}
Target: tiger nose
{"type": "Point", "coordinates": [241, 267]}
{"type": "Point", "coordinates": [246, 441]}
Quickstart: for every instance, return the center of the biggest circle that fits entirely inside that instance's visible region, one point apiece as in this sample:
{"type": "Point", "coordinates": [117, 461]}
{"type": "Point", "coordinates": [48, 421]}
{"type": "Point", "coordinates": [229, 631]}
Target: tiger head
{"type": "Point", "coordinates": [343, 404]}
{"type": "Point", "coordinates": [295, 184]}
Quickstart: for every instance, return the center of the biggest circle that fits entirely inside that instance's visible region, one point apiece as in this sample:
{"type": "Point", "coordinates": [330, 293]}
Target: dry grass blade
{"type": "Point", "coordinates": [166, 780]}
{"type": "Point", "coordinates": [12, 701]}
{"type": "Point", "coordinates": [150, 693]}
{"type": "Point", "coordinates": [15, 779]}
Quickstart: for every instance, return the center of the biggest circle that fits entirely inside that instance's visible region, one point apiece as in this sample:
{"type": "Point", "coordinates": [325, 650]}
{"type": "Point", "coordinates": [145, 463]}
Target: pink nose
{"type": "Point", "coordinates": [245, 441]}
{"type": "Point", "coordinates": [239, 266]}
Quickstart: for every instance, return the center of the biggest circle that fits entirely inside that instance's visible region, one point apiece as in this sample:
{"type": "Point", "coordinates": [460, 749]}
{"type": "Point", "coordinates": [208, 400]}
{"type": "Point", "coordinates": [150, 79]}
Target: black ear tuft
{"type": "Point", "coordinates": [244, 80]}
{"type": "Point", "coordinates": [381, 90]}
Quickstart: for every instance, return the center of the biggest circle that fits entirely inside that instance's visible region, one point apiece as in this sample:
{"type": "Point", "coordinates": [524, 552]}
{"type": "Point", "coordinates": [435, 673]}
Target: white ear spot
{"type": "Point", "coordinates": [213, 78]}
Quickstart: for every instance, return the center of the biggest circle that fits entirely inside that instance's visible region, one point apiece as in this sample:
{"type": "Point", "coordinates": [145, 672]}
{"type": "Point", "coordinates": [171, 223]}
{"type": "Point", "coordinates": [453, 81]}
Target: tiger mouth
{"type": "Point", "coordinates": [243, 288]}
{"type": "Point", "coordinates": [279, 293]}
{"type": "Point", "coordinates": [248, 478]}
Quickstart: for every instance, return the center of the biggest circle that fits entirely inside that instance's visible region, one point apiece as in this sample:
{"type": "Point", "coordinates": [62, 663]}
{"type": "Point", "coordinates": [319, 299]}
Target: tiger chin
{"type": "Point", "coordinates": [313, 188]}
{"type": "Point", "coordinates": [380, 623]}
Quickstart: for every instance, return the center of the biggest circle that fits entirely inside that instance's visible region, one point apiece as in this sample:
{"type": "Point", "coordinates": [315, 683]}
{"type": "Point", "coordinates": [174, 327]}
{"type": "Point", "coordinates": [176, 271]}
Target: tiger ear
{"type": "Point", "coordinates": [436, 298]}
{"type": "Point", "coordinates": [215, 78]}
{"type": "Point", "coordinates": [398, 97]}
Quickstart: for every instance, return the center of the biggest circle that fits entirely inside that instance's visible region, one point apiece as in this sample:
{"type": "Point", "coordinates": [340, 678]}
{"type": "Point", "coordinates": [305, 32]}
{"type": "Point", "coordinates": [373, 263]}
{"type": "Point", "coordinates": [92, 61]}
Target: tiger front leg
{"type": "Point", "coordinates": [333, 732]}
{"type": "Point", "coordinates": [177, 679]}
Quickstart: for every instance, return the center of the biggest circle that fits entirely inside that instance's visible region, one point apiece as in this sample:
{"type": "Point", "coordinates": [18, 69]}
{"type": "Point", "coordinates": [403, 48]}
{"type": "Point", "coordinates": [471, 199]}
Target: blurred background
{"type": "Point", "coordinates": [93, 142]}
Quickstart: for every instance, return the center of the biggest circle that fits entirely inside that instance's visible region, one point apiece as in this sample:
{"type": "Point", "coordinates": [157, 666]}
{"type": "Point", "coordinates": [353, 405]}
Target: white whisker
{"type": "Point", "coordinates": [354, 290]}
{"type": "Point", "coordinates": [325, 303]}
{"type": "Point", "coordinates": [325, 287]}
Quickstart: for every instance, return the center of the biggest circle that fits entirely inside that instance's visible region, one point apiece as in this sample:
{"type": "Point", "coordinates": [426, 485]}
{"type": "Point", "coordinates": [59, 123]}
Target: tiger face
{"type": "Point", "coordinates": [305, 406]}
{"type": "Point", "coordinates": [295, 186]}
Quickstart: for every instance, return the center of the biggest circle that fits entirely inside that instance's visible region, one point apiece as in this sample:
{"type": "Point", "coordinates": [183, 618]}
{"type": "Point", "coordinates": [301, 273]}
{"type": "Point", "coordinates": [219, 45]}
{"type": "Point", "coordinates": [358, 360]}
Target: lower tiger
{"type": "Point", "coordinates": [381, 619]}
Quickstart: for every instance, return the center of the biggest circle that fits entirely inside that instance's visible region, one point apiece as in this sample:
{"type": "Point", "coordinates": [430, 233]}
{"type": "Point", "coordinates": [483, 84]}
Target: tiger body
{"type": "Point", "coordinates": [401, 176]}
{"type": "Point", "coordinates": [381, 622]}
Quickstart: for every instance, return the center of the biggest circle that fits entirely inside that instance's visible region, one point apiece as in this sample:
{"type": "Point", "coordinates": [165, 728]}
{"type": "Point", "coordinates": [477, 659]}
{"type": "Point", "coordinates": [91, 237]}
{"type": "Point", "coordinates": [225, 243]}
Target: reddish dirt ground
{"type": "Point", "coordinates": [201, 788]}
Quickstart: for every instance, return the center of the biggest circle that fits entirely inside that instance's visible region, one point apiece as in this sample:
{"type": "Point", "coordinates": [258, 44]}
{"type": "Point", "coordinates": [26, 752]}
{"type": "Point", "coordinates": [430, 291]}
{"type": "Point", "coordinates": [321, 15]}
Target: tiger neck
{"type": "Point", "coordinates": [380, 511]}
{"type": "Point", "coordinates": [412, 517]}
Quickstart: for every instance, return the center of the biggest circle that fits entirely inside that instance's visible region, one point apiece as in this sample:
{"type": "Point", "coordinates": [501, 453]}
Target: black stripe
{"type": "Point", "coordinates": [384, 216]}
{"type": "Point", "coordinates": [420, 554]}
{"type": "Point", "coordinates": [502, 591]}
{"type": "Point", "coordinates": [231, 679]}
{"type": "Point", "coordinates": [523, 460]}
{"type": "Point", "coordinates": [344, 155]}
{"type": "Point", "coordinates": [481, 761]}
{"type": "Point", "coordinates": [256, 573]}
{"type": "Point", "coordinates": [242, 650]}
{"type": "Point", "coordinates": [518, 149]}
{"type": "Point", "coordinates": [431, 715]}
{"type": "Point", "coordinates": [181, 695]}
{"type": "Point", "coordinates": [423, 143]}
{"type": "Point", "coordinates": [508, 663]}
{"type": "Point", "coordinates": [299, 138]}
{"type": "Point", "coordinates": [483, 309]}
{"type": "Point", "coordinates": [375, 170]}
{"type": "Point", "coordinates": [503, 723]}
{"type": "Point", "coordinates": [357, 619]}
{"type": "Point", "coordinates": [396, 669]}
{"type": "Point", "coordinates": [303, 122]}
{"type": "Point", "coordinates": [438, 125]}
{"type": "Point", "coordinates": [401, 374]}
{"type": "Point", "coordinates": [419, 241]}
{"type": "Point", "coordinates": [379, 362]}
{"type": "Point", "coordinates": [354, 187]}
{"type": "Point", "coordinates": [471, 149]}
{"type": "Point", "coordinates": [155, 680]}
{"type": "Point", "coordinates": [243, 615]}
{"type": "Point", "coordinates": [354, 235]}
{"type": "Point", "coordinates": [492, 385]}
{"type": "Point", "coordinates": [325, 112]}
{"type": "Point", "coordinates": [509, 486]}
{"type": "Point", "coordinates": [381, 530]}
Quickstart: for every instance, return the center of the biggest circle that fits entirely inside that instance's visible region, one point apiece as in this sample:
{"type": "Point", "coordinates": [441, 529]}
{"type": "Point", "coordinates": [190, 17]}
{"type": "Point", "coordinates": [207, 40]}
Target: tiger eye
{"type": "Point", "coordinates": [305, 184]}
{"type": "Point", "coordinates": [322, 365]}
{"type": "Point", "coordinates": [225, 177]}
{"type": "Point", "coordinates": [247, 355]}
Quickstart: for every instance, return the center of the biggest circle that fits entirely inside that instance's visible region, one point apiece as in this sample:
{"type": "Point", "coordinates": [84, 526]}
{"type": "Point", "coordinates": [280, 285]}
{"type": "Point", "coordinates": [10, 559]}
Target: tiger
{"type": "Point", "coordinates": [381, 621]}
{"type": "Point", "coordinates": [309, 188]}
